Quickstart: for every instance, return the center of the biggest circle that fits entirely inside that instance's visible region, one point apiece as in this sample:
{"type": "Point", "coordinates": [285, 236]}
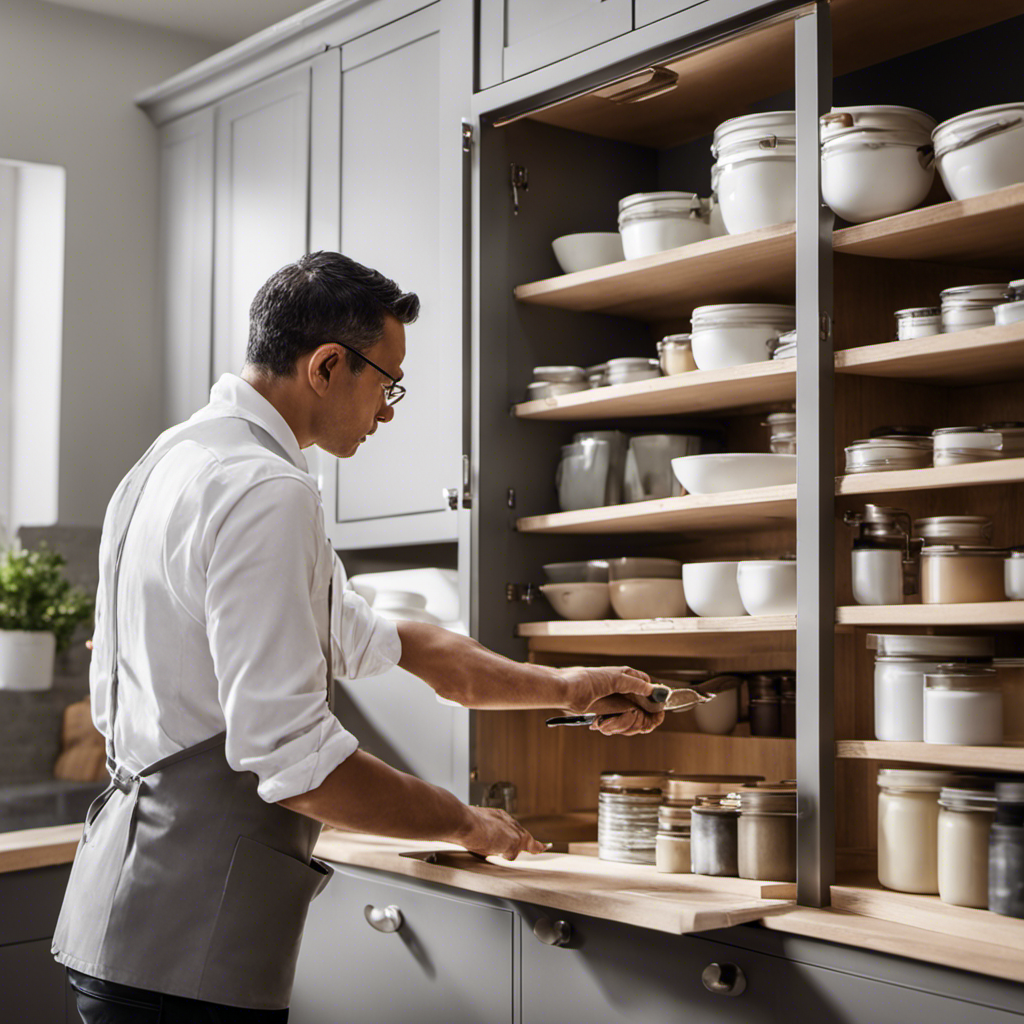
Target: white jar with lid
{"type": "Point", "coordinates": [651, 222]}
{"type": "Point", "coordinates": [908, 826]}
{"type": "Point", "coordinates": [736, 333]}
{"type": "Point", "coordinates": [918, 322]}
{"type": "Point", "coordinates": [981, 151]}
{"type": "Point", "coordinates": [1013, 575]}
{"type": "Point", "coordinates": [965, 818]}
{"type": "Point", "coordinates": [901, 664]}
{"type": "Point", "coordinates": [962, 574]}
{"type": "Point", "coordinates": [963, 705]}
{"type": "Point", "coordinates": [970, 306]}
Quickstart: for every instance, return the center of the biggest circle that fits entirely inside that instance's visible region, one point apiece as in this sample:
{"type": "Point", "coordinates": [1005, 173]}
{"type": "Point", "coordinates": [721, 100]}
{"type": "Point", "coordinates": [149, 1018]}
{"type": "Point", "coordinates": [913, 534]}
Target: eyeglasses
{"type": "Point", "coordinates": [393, 392]}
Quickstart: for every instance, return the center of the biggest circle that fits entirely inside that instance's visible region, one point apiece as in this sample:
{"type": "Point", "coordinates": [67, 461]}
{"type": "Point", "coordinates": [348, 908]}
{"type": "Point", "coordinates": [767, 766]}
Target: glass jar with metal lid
{"type": "Point", "coordinates": [651, 222]}
{"type": "Point", "coordinates": [965, 820]}
{"type": "Point", "coordinates": [954, 529]}
{"type": "Point", "coordinates": [766, 833]}
{"type": "Point", "coordinates": [672, 845]}
{"type": "Point", "coordinates": [675, 354]}
{"type": "Point", "coordinates": [627, 815]}
{"type": "Point", "coordinates": [1006, 851]}
{"type": "Point", "coordinates": [713, 822]}
{"type": "Point", "coordinates": [684, 790]}
{"type": "Point", "coordinates": [1011, 437]}
{"type": "Point", "coordinates": [901, 663]}
{"type": "Point", "coordinates": [963, 704]}
{"type": "Point", "coordinates": [970, 306]}
{"type": "Point", "coordinates": [884, 555]}
{"type": "Point", "coordinates": [918, 322]}
{"type": "Point", "coordinates": [957, 446]}
{"type": "Point", "coordinates": [962, 574]}
{"type": "Point", "coordinates": [879, 454]}
{"type": "Point", "coordinates": [782, 427]}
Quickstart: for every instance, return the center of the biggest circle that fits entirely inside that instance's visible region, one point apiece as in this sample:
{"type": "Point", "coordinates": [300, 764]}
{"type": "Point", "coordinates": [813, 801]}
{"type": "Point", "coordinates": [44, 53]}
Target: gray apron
{"type": "Point", "coordinates": [186, 881]}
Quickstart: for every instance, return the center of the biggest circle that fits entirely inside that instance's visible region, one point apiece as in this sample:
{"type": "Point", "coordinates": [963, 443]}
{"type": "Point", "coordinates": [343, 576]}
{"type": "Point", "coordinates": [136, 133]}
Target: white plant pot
{"type": "Point", "coordinates": [26, 659]}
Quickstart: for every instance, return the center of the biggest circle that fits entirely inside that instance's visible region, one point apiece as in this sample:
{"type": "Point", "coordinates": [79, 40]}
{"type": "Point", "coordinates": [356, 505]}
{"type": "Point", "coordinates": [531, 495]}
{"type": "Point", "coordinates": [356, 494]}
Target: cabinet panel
{"type": "Point", "coordinates": [186, 237]}
{"type": "Point", "coordinates": [449, 963]}
{"type": "Point", "coordinates": [646, 11]}
{"type": "Point", "coordinates": [262, 157]}
{"type": "Point", "coordinates": [392, 196]}
{"type": "Point", "coordinates": [33, 986]}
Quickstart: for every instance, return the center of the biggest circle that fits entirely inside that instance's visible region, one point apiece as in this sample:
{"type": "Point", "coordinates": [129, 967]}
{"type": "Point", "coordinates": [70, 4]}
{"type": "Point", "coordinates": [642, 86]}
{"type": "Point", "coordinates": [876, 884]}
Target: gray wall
{"type": "Point", "coordinates": [68, 78]}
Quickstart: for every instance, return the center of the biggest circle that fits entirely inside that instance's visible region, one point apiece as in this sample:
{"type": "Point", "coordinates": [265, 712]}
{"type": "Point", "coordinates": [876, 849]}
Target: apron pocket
{"type": "Point", "coordinates": [255, 941]}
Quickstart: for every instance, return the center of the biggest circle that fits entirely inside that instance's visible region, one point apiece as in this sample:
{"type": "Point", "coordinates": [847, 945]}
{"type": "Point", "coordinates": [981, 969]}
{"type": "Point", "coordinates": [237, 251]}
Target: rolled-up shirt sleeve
{"type": "Point", "coordinates": [265, 594]}
{"type": "Point", "coordinates": [363, 642]}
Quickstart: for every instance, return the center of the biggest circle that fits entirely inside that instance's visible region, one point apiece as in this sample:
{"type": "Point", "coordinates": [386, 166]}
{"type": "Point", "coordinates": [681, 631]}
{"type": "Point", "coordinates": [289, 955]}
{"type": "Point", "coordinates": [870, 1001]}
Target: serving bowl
{"type": "Point", "coordinates": [593, 571]}
{"type": "Point", "coordinates": [737, 333]}
{"type": "Point", "coordinates": [579, 601]}
{"type": "Point", "coordinates": [981, 151]}
{"type": "Point", "coordinates": [643, 568]}
{"type": "Point", "coordinates": [648, 598]}
{"type": "Point", "coordinates": [767, 586]}
{"type": "Point", "coordinates": [735, 471]}
{"type": "Point", "coordinates": [587, 250]}
{"type": "Point", "coordinates": [711, 589]}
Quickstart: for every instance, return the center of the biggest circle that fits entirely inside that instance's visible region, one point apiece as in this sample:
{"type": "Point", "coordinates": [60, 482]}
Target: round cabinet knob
{"type": "Point", "coordinates": [384, 919]}
{"type": "Point", "coordinates": [724, 979]}
{"type": "Point", "coordinates": [553, 933]}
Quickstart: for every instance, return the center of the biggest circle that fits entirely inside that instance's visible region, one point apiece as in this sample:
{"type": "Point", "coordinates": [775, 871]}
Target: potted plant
{"type": "Point", "coordinates": [39, 612]}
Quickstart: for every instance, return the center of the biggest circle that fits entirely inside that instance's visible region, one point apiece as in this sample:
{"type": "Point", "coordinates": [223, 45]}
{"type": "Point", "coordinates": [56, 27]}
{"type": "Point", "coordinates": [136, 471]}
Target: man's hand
{"type": "Point", "coordinates": [490, 830]}
{"type": "Point", "coordinates": [604, 691]}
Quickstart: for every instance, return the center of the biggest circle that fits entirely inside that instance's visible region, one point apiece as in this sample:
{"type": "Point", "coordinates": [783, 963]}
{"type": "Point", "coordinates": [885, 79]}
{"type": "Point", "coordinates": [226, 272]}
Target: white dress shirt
{"type": "Point", "coordinates": [222, 609]}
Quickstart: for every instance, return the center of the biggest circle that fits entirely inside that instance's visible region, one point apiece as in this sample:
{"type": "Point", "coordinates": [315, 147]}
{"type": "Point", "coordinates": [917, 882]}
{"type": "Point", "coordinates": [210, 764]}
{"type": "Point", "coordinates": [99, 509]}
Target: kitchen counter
{"type": "Point", "coordinates": [38, 847]}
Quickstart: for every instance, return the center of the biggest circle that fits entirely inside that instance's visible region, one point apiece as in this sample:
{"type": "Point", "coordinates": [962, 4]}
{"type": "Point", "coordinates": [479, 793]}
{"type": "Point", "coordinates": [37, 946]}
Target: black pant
{"type": "Point", "coordinates": [105, 1002]}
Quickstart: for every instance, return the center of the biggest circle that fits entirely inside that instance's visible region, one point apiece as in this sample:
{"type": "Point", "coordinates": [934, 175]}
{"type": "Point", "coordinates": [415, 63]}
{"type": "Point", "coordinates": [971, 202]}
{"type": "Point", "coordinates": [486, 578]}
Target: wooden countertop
{"type": "Point", "coordinates": [38, 847]}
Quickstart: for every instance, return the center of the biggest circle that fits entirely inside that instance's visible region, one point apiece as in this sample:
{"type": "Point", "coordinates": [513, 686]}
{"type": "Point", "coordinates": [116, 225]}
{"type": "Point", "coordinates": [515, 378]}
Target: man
{"type": "Point", "coordinates": [222, 618]}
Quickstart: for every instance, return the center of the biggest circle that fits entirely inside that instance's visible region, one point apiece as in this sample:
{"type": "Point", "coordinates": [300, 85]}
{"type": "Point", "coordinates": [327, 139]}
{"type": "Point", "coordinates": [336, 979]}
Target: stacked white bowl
{"type": "Point", "coordinates": [981, 151]}
{"type": "Point", "coordinates": [876, 160]}
{"type": "Point", "coordinates": [734, 333]}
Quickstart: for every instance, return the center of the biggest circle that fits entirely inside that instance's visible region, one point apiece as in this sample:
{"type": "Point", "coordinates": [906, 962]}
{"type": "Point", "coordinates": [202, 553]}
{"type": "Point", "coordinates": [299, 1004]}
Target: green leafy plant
{"type": "Point", "coordinates": [36, 596]}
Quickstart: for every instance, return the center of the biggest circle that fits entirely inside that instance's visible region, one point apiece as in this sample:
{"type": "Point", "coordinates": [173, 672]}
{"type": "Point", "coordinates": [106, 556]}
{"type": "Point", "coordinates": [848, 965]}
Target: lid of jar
{"type": "Point", "coordinates": [973, 295]}
{"type": "Point", "coordinates": [1010, 792]}
{"type": "Point", "coordinates": [639, 780]}
{"type": "Point", "coordinates": [962, 124]}
{"type": "Point", "coordinates": [657, 198]}
{"type": "Point", "coordinates": [912, 432]}
{"type": "Point", "coordinates": [625, 363]}
{"type": "Point", "coordinates": [776, 420]}
{"type": "Point", "coordinates": [954, 529]}
{"type": "Point", "coordinates": [875, 115]}
{"type": "Point", "coordinates": [752, 127]}
{"type": "Point", "coordinates": [962, 677]}
{"type": "Point", "coordinates": [899, 645]}
{"type": "Point", "coordinates": [776, 799]}
{"type": "Point", "coordinates": [679, 813]}
{"type": "Point", "coordinates": [559, 374]}
{"type": "Point", "coordinates": [722, 799]}
{"type": "Point", "coordinates": [674, 341]}
{"type": "Point", "coordinates": [1015, 553]}
{"type": "Point", "coordinates": [914, 312]}
{"type": "Point", "coordinates": [961, 551]}
{"type": "Point", "coordinates": [689, 787]}
{"type": "Point", "coordinates": [967, 798]}
{"type": "Point", "coordinates": [787, 682]}
{"type": "Point", "coordinates": [918, 779]}
{"type": "Point", "coordinates": [875, 138]}
{"type": "Point", "coordinates": [769, 313]}
{"type": "Point", "coordinates": [895, 443]}
{"type": "Point", "coordinates": [717, 810]}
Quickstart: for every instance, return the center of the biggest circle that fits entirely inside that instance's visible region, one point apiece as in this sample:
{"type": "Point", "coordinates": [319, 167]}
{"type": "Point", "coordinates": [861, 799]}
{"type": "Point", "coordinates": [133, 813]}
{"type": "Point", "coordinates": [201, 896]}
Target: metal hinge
{"type": "Point", "coordinates": [519, 181]}
{"type": "Point", "coordinates": [467, 489]}
{"type": "Point", "coordinates": [525, 592]}
{"type": "Point", "coordinates": [467, 137]}
{"type": "Point", "coordinates": [825, 327]}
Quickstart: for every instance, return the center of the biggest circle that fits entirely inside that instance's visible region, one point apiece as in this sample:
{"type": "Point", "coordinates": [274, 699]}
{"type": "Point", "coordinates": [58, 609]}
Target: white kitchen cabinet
{"type": "Point", "coordinates": [186, 242]}
{"type": "Point", "coordinates": [646, 11]}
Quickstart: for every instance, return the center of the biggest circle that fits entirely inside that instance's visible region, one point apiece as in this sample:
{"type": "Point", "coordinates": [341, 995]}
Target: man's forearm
{"type": "Point", "coordinates": [462, 670]}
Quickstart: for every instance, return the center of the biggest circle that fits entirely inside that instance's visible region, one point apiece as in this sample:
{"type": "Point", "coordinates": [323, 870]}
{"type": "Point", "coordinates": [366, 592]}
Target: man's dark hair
{"type": "Point", "coordinates": [320, 298]}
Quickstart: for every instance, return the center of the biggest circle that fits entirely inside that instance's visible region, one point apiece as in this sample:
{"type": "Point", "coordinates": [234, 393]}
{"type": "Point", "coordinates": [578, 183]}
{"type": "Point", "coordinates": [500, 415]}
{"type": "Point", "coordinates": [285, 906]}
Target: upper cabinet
{"type": "Point", "coordinates": [517, 36]}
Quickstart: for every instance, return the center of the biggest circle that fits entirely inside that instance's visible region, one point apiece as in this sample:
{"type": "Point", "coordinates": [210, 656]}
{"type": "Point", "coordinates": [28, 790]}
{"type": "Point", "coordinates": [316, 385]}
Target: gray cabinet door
{"type": "Point", "coordinates": [186, 239]}
{"type": "Point", "coordinates": [529, 34]}
{"type": "Point", "coordinates": [33, 986]}
{"type": "Point", "coordinates": [451, 962]}
{"type": "Point", "coordinates": [262, 200]}
{"type": "Point", "coordinates": [393, 199]}
{"type": "Point", "coordinates": [647, 11]}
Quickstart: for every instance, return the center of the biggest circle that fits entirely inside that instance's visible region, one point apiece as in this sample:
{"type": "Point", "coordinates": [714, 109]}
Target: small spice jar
{"type": "Point", "coordinates": [782, 440]}
{"type": "Point", "coordinates": [765, 705]}
{"type": "Point", "coordinates": [627, 816]}
{"type": "Point", "coordinates": [675, 354]}
{"type": "Point", "coordinates": [962, 574]}
{"type": "Point", "coordinates": [672, 846]}
{"type": "Point", "coordinates": [908, 825]}
{"type": "Point", "coordinates": [965, 819]}
{"type": "Point", "coordinates": [963, 704]}
{"type": "Point", "coordinates": [1013, 575]}
{"type": "Point", "coordinates": [918, 322]}
{"type": "Point", "coordinates": [713, 838]}
{"type": "Point", "coordinates": [766, 833]}
{"type": "Point", "coordinates": [1006, 852]}
{"type": "Point", "coordinates": [970, 306]}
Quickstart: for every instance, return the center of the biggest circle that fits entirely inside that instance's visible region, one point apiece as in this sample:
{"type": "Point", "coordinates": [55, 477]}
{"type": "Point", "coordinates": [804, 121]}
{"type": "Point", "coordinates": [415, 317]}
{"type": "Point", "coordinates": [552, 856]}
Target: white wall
{"type": "Point", "coordinates": [68, 78]}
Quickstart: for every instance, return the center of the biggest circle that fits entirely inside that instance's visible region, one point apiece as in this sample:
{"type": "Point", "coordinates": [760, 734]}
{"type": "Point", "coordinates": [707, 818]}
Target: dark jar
{"type": "Point", "coordinates": [1006, 852]}
{"type": "Point", "coordinates": [766, 716]}
{"type": "Point", "coordinates": [713, 839]}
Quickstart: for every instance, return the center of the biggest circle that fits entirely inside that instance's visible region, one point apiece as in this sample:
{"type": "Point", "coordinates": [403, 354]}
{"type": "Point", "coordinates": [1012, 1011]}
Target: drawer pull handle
{"type": "Point", "coordinates": [724, 979]}
{"type": "Point", "coordinates": [553, 933]}
{"type": "Point", "coordinates": [384, 919]}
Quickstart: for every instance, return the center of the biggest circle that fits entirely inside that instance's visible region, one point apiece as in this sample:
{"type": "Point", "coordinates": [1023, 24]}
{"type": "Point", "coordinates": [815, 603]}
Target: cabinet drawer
{"type": "Point", "coordinates": [31, 902]}
{"type": "Point", "coordinates": [33, 986]}
{"type": "Point", "coordinates": [450, 962]}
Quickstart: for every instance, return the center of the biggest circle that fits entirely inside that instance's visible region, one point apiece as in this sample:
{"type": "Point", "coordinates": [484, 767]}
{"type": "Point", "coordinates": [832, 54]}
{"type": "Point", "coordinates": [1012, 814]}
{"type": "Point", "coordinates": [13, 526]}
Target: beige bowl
{"type": "Point", "coordinates": [648, 598]}
{"type": "Point", "coordinates": [579, 601]}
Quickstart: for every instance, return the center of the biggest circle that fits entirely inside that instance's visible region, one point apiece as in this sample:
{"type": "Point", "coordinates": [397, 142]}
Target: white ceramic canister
{"type": "Point", "coordinates": [736, 333]}
{"type": "Point", "coordinates": [675, 354]}
{"type": "Point", "coordinates": [754, 174]}
{"type": "Point", "coordinates": [651, 222]}
{"type": "Point", "coordinates": [918, 322]}
{"type": "Point", "coordinates": [875, 117]}
{"type": "Point", "coordinates": [1013, 575]}
{"type": "Point", "coordinates": [963, 705]}
{"type": "Point", "coordinates": [962, 574]}
{"type": "Point", "coordinates": [908, 827]}
{"type": "Point", "coordinates": [965, 819]}
{"type": "Point", "coordinates": [1009, 312]}
{"type": "Point", "coordinates": [872, 173]}
{"type": "Point", "coordinates": [970, 306]}
{"type": "Point", "coordinates": [901, 664]}
{"type": "Point", "coordinates": [981, 151]}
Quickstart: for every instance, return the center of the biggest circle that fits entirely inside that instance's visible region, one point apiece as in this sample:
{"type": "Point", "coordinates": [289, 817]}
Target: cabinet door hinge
{"type": "Point", "coordinates": [525, 592]}
{"type": "Point", "coordinates": [467, 137]}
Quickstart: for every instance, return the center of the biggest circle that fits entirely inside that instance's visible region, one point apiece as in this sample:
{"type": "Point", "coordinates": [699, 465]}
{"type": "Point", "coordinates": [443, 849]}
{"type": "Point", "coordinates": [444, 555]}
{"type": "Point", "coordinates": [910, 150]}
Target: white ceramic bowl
{"type": "Point", "coordinates": [587, 250]}
{"type": "Point", "coordinates": [712, 474]}
{"type": "Point", "coordinates": [594, 571]}
{"type": "Point", "coordinates": [579, 601]}
{"type": "Point", "coordinates": [767, 587]}
{"type": "Point", "coordinates": [399, 599]}
{"type": "Point", "coordinates": [733, 334]}
{"type": "Point", "coordinates": [643, 568]}
{"type": "Point", "coordinates": [981, 151]}
{"type": "Point", "coordinates": [719, 716]}
{"type": "Point", "coordinates": [866, 175]}
{"type": "Point", "coordinates": [711, 589]}
{"type": "Point", "coordinates": [648, 598]}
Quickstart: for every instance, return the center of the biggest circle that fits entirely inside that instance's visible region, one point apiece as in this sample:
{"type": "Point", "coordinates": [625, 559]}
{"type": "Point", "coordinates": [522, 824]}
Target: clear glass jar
{"type": "Point", "coordinates": [675, 354]}
{"type": "Point", "coordinates": [962, 574]}
{"type": "Point", "coordinates": [965, 820]}
{"type": "Point", "coordinates": [918, 322]}
{"type": "Point", "coordinates": [766, 834]}
{"type": "Point", "coordinates": [672, 845]}
{"type": "Point", "coordinates": [627, 816]}
{"type": "Point", "coordinates": [908, 825]}
{"type": "Point", "coordinates": [963, 704]}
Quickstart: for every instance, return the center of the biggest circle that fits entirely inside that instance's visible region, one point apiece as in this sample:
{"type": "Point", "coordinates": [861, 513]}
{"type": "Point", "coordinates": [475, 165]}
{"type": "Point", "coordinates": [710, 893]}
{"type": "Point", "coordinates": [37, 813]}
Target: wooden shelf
{"type": "Point", "coordinates": [764, 508]}
{"type": "Point", "coordinates": [865, 896]}
{"type": "Point", "coordinates": [982, 356]}
{"type": "Point", "coordinates": [754, 386]}
{"type": "Point", "coordinates": [987, 230]}
{"type": "Point", "coordinates": [1000, 759]}
{"type": "Point", "coordinates": [975, 474]}
{"type": "Point", "coordinates": [759, 266]}
{"type": "Point", "coordinates": [987, 615]}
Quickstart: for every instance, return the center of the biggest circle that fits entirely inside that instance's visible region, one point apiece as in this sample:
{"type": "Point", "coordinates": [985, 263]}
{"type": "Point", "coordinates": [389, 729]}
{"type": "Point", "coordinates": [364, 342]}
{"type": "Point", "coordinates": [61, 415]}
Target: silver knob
{"type": "Point", "coordinates": [553, 933]}
{"type": "Point", "coordinates": [384, 919]}
{"type": "Point", "coordinates": [724, 979]}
